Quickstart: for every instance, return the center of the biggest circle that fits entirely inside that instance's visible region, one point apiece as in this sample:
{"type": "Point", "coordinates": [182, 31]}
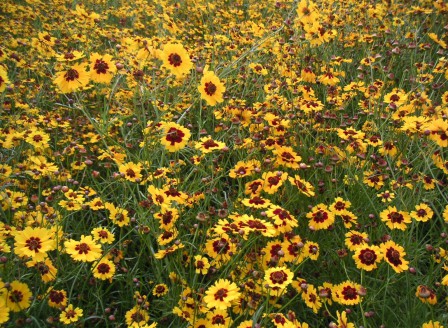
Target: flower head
{"type": "Point", "coordinates": [211, 88]}
{"type": "Point", "coordinates": [221, 294]}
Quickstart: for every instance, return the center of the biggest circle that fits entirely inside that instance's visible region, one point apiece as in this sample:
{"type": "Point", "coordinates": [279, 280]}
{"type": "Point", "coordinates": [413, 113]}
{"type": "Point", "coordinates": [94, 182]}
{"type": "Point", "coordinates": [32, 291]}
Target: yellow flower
{"type": "Point", "coordinates": [320, 217]}
{"type": "Point", "coordinates": [201, 264]}
{"type": "Point", "coordinates": [103, 235]}
{"type": "Point", "coordinates": [394, 255]}
{"type": "Point", "coordinates": [211, 88]}
{"type": "Point", "coordinates": [57, 298]}
{"type": "Point", "coordinates": [18, 296]}
{"type": "Point", "coordinates": [104, 269]}
{"type": "Point", "coordinates": [136, 317]}
{"type": "Point", "coordinates": [422, 213]}
{"type": "Point", "coordinates": [73, 79]}
{"type": "Point", "coordinates": [70, 315]}
{"type": "Point", "coordinates": [4, 81]}
{"type": "Point", "coordinates": [221, 294]}
{"type": "Point", "coordinates": [4, 311]}
{"type": "Point", "coordinates": [395, 219]}
{"type": "Point", "coordinates": [131, 171]}
{"type": "Point", "coordinates": [277, 279]}
{"type": "Point", "coordinates": [176, 59]}
{"type": "Point", "coordinates": [347, 293]}
{"type": "Point", "coordinates": [367, 257]}
{"type": "Point", "coordinates": [85, 250]}
{"type": "Point", "coordinates": [102, 70]}
{"type": "Point", "coordinates": [175, 136]}
{"type": "Point", "coordinates": [34, 243]}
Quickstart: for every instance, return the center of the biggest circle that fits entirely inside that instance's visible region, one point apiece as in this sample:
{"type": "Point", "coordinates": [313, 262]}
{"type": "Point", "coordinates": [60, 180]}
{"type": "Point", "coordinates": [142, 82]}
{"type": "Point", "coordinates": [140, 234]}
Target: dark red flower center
{"type": "Point", "coordinates": [34, 244]}
{"type": "Point", "coordinates": [367, 257]}
{"type": "Point", "coordinates": [100, 66]}
{"type": "Point", "coordinates": [16, 296]}
{"type": "Point", "coordinates": [349, 293]}
{"type": "Point", "coordinates": [103, 268]}
{"type": "Point", "coordinates": [221, 294]}
{"type": "Point", "coordinates": [174, 136]}
{"type": "Point", "coordinates": [396, 217]}
{"type": "Point", "coordinates": [82, 248]}
{"type": "Point", "coordinates": [56, 296]}
{"type": "Point", "coordinates": [175, 59]}
{"type": "Point", "coordinates": [278, 277]}
{"type": "Point", "coordinates": [320, 216]}
{"type": "Point", "coordinates": [71, 75]}
{"type": "Point", "coordinates": [393, 256]}
{"type": "Point", "coordinates": [210, 88]}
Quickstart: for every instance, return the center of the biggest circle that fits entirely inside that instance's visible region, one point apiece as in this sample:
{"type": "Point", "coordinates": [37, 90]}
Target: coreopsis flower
{"type": "Point", "coordinates": [4, 81]}
{"type": "Point", "coordinates": [426, 294]}
{"type": "Point", "coordinates": [250, 224]}
{"type": "Point", "coordinates": [220, 248]}
{"type": "Point", "coordinates": [339, 205]}
{"type": "Point", "coordinates": [282, 219]}
{"type": "Point", "coordinates": [320, 217]}
{"type": "Point", "coordinates": [258, 69]}
{"type": "Point", "coordinates": [4, 311]}
{"type": "Point", "coordinates": [118, 215]}
{"type": "Point", "coordinates": [277, 279]}
{"type": "Point", "coordinates": [73, 79]}
{"type": "Point", "coordinates": [136, 317]}
{"type": "Point", "coordinates": [254, 187]}
{"type": "Point", "coordinates": [355, 239]}
{"type": "Point", "coordinates": [287, 157]}
{"type": "Point", "coordinates": [395, 219]}
{"type": "Point", "coordinates": [243, 168]}
{"type": "Point", "coordinates": [104, 269]}
{"type": "Point", "coordinates": [348, 218]}
{"type": "Point", "coordinates": [221, 294]}
{"type": "Point", "coordinates": [70, 56]}
{"type": "Point", "coordinates": [103, 235]}
{"type": "Point", "coordinates": [57, 298]}
{"type": "Point", "coordinates": [219, 319]}
{"type": "Point", "coordinates": [367, 257]}
{"type": "Point", "coordinates": [311, 298]}
{"type": "Point", "coordinates": [445, 214]}
{"type": "Point", "coordinates": [303, 186]}
{"type": "Point", "coordinates": [102, 69]}
{"type": "Point", "coordinates": [46, 269]}
{"type": "Point", "coordinates": [207, 145]}
{"type": "Point", "coordinates": [131, 171]}
{"type": "Point", "coordinates": [272, 181]}
{"type": "Point", "coordinates": [432, 324]}
{"type": "Point", "coordinates": [343, 321]}
{"type": "Point", "coordinates": [394, 255]}
{"type": "Point", "coordinates": [438, 131]}
{"type": "Point", "coordinates": [397, 97]}
{"type": "Point", "coordinates": [422, 213]}
{"type": "Point", "coordinates": [347, 293]}
{"type": "Point", "coordinates": [386, 196]}
{"type": "Point", "coordinates": [167, 217]}
{"type": "Point", "coordinates": [211, 88]}
{"type": "Point", "coordinates": [84, 250]}
{"type": "Point", "coordinates": [311, 250]}
{"type": "Point", "coordinates": [176, 59]}
{"type": "Point", "coordinates": [17, 296]}
{"type": "Point", "coordinates": [38, 139]}
{"type": "Point", "coordinates": [34, 243]}
{"type": "Point", "coordinates": [256, 202]}
{"type": "Point", "coordinates": [201, 264]}
{"type": "Point", "coordinates": [70, 314]}
{"type": "Point", "coordinates": [159, 290]}
{"type": "Point", "coordinates": [174, 137]}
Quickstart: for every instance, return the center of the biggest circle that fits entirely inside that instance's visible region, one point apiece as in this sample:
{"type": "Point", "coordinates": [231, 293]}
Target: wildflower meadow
{"type": "Point", "coordinates": [234, 163]}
